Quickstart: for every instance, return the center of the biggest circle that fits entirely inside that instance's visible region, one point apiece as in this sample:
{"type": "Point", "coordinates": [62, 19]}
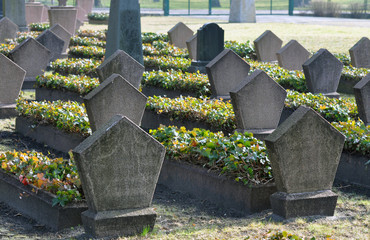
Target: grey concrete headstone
{"type": "Point", "coordinates": [179, 34]}
{"type": "Point", "coordinates": [124, 29]}
{"type": "Point", "coordinates": [323, 71]}
{"type": "Point", "coordinates": [32, 56]}
{"type": "Point", "coordinates": [87, 5]}
{"type": "Point", "coordinates": [8, 29]}
{"type": "Point", "coordinates": [123, 64]}
{"type": "Point", "coordinates": [360, 53]}
{"type": "Point", "coordinates": [362, 95]}
{"type": "Point", "coordinates": [11, 80]}
{"type": "Point", "coordinates": [258, 102]}
{"type": "Point", "coordinates": [191, 44]}
{"type": "Point", "coordinates": [225, 72]}
{"type": "Point", "coordinates": [52, 42]}
{"type": "Point", "coordinates": [210, 42]}
{"type": "Point", "coordinates": [15, 10]}
{"type": "Point", "coordinates": [292, 56]}
{"type": "Point", "coordinates": [267, 45]}
{"type": "Point", "coordinates": [114, 96]}
{"type": "Point", "coordinates": [242, 11]}
{"type": "Point", "coordinates": [34, 12]}
{"type": "Point", "coordinates": [45, 15]}
{"type": "Point", "coordinates": [119, 166]}
{"type": "Point", "coordinates": [61, 32]}
{"type": "Point", "coordinates": [65, 16]}
{"type": "Point", "coordinates": [81, 14]}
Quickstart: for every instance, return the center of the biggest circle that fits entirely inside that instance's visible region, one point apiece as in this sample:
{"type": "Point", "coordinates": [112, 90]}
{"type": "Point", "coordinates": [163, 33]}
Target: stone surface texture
{"type": "Point", "coordinates": [179, 34]}
{"type": "Point", "coordinates": [225, 72]}
{"type": "Point", "coordinates": [124, 29]}
{"type": "Point", "coordinates": [242, 11]}
{"type": "Point", "coordinates": [267, 45]}
{"type": "Point", "coordinates": [362, 95]}
{"type": "Point", "coordinates": [34, 12]}
{"type": "Point", "coordinates": [52, 42]}
{"type": "Point", "coordinates": [304, 152]}
{"type": "Point", "coordinates": [114, 96]}
{"type": "Point", "coordinates": [292, 56]}
{"type": "Point", "coordinates": [15, 10]}
{"type": "Point", "coordinates": [32, 56]}
{"type": "Point", "coordinates": [87, 5]}
{"type": "Point", "coordinates": [191, 44]}
{"type": "Point", "coordinates": [258, 102]}
{"type": "Point", "coordinates": [210, 42]}
{"type": "Point", "coordinates": [360, 53]}
{"type": "Point", "coordinates": [64, 16]}
{"type": "Point", "coordinates": [11, 80]}
{"type": "Point", "coordinates": [61, 32]}
{"type": "Point", "coordinates": [322, 71]}
{"type": "Point", "coordinates": [123, 64]}
{"type": "Point", "coordinates": [8, 29]}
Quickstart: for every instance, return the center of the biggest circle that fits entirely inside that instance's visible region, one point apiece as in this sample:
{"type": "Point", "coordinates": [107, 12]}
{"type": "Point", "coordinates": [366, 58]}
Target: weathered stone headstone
{"type": "Point", "coordinates": [114, 96]}
{"type": "Point", "coordinates": [65, 16]}
{"type": "Point", "coordinates": [79, 24]}
{"type": "Point", "coordinates": [304, 152]}
{"type": "Point", "coordinates": [1, 9]}
{"type": "Point", "coordinates": [32, 56]}
{"type": "Point", "coordinates": [267, 45]}
{"type": "Point", "coordinates": [225, 72]}
{"type": "Point", "coordinates": [8, 29]}
{"type": "Point", "coordinates": [292, 56]}
{"type": "Point", "coordinates": [258, 102]}
{"type": "Point", "coordinates": [34, 12]}
{"type": "Point", "coordinates": [179, 34]}
{"type": "Point", "coordinates": [15, 10]}
{"type": "Point", "coordinates": [62, 3]}
{"type": "Point", "coordinates": [61, 32]}
{"type": "Point", "coordinates": [210, 43]}
{"type": "Point", "coordinates": [242, 11]}
{"type": "Point", "coordinates": [360, 53]}
{"type": "Point", "coordinates": [362, 95]}
{"type": "Point", "coordinates": [191, 44]}
{"type": "Point", "coordinates": [322, 72]}
{"type": "Point", "coordinates": [81, 14]}
{"type": "Point", "coordinates": [45, 14]}
{"type": "Point", "coordinates": [87, 5]}
{"type": "Point", "coordinates": [52, 42]}
{"type": "Point", "coordinates": [124, 29]}
{"type": "Point", "coordinates": [119, 166]}
{"type": "Point", "coordinates": [123, 64]}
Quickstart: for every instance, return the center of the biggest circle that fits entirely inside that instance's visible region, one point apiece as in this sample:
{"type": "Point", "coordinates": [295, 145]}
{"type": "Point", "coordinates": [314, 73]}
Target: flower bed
{"type": "Point", "coordinates": [98, 18]}
{"type": "Point", "coordinates": [75, 66]}
{"type": "Point", "coordinates": [39, 27]}
{"type": "Point", "coordinates": [6, 48]}
{"type": "Point", "coordinates": [21, 36]}
{"type": "Point", "coordinates": [86, 41]}
{"type": "Point", "coordinates": [166, 63]}
{"type": "Point", "coordinates": [91, 52]}
{"type": "Point", "coordinates": [160, 48]}
{"type": "Point", "coordinates": [244, 50]}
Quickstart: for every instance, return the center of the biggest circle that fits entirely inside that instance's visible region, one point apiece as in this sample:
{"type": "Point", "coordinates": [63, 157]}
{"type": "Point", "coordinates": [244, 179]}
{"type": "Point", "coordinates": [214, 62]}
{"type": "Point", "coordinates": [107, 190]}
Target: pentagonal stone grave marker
{"type": "Point", "coordinates": [360, 53]}
{"type": "Point", "coordinates": [258, 102]}
{"type": "Point", "coordinates": [225, 72]}
{"type": "Point", "coordinates": [191, 44]}
{"type": "Point", "coordinates": [61, 32]}
{"type": "Point", "coordinates": [32, 56]}
{"type": "Point", "coordinates": [8, 29]}
{"type": "Point", "coordinates": [242, 11]}
{"type": "Point", "coordinates": [52, 42]}
{"type": "Point", "coordinates": [362, 95]}
{"type": "Point", "coordinates": [179, 34]}
{"type": "Point", "coordinates": [119, 166]}
{"type": "Point", "coordinates": [123, 64]}
{"type": "Point", "coordinates": [292, 56]}
{"type": "Point", "coordinates": [15, 10]}
{"type": "Point", "coordinates": [65, 16]}
{"type": "Point", "coordinates": [114, 96]}
{"type": "Point", "coordinates": [267, 45]}
{"type": "Point", "coordinates": [304, 152]}
{"type": "Point", "coordinates": [322, 72]}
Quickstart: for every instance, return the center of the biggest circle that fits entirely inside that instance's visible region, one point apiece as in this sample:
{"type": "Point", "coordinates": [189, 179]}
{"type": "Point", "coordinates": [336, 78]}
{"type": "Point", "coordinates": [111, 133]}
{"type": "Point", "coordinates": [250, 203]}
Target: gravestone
{"type": "Point", "coordinates": [123, 64]}
{"type": "Point", "coordinates": [360, 53]}
{"type": "Point", "coordinates": [81, 14]}
{"type": "Point", "coordinates": [86, 5]}
{"type": "Point", "coordinates": [258, 102]}
{"type": "Point", "coordinates": [323, 71]}
{"type": "Point", "coordinates": [179, 34]}
{"type": "Point", "coordinates": [225, 72]}
{"type": "Point", "coordinates": [64, 16]}
{"type": "Point", "coordinates": [11, 80]}
{"type": "Point", "coordinates": [362, 95]}
{"type": "Point", "coordinates": [34, 12]}
{"type": "Point", "coordinates": [242, 11]}
{"type": "Point", "coordinates": [8, 29]}
{"type": "Point", "coordinates": [304, 152]}
{"type": "Point", "coordinates": [33, 57]}
{"type": "Point", "coordinates": [79, 24]}
{"type": "Point", "coordinates": [1, 9]}
{"type": "Point", "coordinates": [292, 56]}
{"type": "Point", "coordinates": [267, 45]}
{"type": "Point", "coordinates": [114, 96]}
{"type": "Point", "coordinates": [52, 42]}
{"type": "Point", "coordinates": [62, 3]}
{"type": "Point", "coordinates": [15, 10]}
{"type": "Point", "coordinates": [119, 166]}
{"type": "Point", "coordinates": [124, 29]}
{"type": "Point", "coordinates": [210, 43]}
{"type": "Point", "coordinates": [61, 32]}
{"type": "Point", "coordinates": [191, 44]}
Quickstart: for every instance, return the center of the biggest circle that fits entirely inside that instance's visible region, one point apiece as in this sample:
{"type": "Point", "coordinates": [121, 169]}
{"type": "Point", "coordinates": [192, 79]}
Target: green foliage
{"type": "Point", "coordinates": [21, 36]}
{"type": "Point", "coordinates": [283, 235]}
{"type": "Point", "coordinates": [149, 37]}
{"type": "Point", "coordinates": [86, 41]}
{"type": "Point", "coordinates": [92, 52]}
{"type": "Point", "coordinates": [99, 34]}
{"type": "Point", "coordinates": [98, 16]}
{"type": "Point", "coordinates": [166, 63]}
{"type": "Point", "coordinates": [39, 27]}
{"type": "Point", "coordinates": [244, 50]}
{"type": "Point", "coordinates": [344, 58]}
{"type": "Point", "coordinates": [6, 48]}
{"type": "Point", "coordinates": [160, 48]}
{"type": "Point", "coordinates": [75, 66]}
{"type": "Point", "coordinates": [350, 73]}
{"type": "Point", "coordinates": [239, 156]}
